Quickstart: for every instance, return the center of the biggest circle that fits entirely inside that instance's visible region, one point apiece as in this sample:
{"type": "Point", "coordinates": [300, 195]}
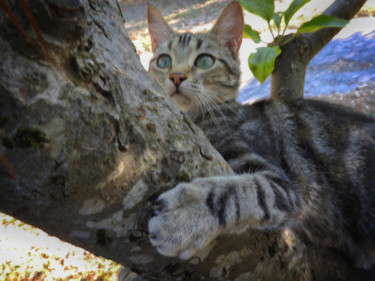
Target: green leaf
{"type": "Point", "coordinates": [322, 21]}
{"type": "Point", "coordinates": [262, 63]}
{"type": "Point", "coordinates": [277, 18]}
{"type": "Point", "coordinates": [293, 8]}
{"type": "Point", "coordinates": [248, 32]}
{"type": "Point", "coordinates": [261, 8]}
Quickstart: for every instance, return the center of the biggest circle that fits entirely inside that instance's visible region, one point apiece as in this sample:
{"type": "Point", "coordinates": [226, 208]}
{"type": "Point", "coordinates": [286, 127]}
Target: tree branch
{"type": "Point", "coordinates": [288, 78]}
{"type": "Point", "coordinates": [345, 9]}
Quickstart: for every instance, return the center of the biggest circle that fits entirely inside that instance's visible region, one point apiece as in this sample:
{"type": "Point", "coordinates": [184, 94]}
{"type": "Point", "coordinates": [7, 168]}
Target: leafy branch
{"type": "Point", "coordinates": [262, 62]}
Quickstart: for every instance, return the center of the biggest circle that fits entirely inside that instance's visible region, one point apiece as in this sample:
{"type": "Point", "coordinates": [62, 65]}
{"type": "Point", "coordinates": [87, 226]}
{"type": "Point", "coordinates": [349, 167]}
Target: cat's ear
{"type": "Point", "coordinates": [158, 28]}
{"type": "Point", "coordinates": [229, 26]}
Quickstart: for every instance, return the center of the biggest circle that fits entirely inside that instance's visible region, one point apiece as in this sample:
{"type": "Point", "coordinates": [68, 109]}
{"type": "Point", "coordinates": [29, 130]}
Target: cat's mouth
{"type": "Point", "coordinates": [180, 98]}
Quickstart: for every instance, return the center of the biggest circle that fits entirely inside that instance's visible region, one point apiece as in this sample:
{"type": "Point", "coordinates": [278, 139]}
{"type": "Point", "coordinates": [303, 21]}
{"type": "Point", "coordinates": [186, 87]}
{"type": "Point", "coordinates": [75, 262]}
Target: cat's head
{"type": "Point", "coordinates": [197, 70]}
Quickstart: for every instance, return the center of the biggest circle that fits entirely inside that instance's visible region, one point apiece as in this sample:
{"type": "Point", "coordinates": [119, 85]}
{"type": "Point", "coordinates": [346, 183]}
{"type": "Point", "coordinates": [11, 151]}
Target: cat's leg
{"type": "Point", "coordinates": [191, 215]}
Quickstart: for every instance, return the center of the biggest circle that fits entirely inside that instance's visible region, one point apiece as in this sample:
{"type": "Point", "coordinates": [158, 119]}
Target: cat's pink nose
{"type": "Point", "coordinates": [177, 78]}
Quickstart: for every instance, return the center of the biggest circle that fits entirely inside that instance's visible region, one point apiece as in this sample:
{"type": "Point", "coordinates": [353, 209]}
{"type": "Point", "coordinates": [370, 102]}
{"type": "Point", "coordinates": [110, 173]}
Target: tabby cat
{"type": "Point", "coordinates": [306, 165]}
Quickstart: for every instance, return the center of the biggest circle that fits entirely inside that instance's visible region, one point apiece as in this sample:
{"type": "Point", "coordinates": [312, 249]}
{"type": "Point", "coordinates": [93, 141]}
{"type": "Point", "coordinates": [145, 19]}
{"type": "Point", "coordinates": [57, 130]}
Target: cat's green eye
{"type": "Point", "coordinates": [205, 61]}
{"type": "Point", "coordinates": [164, 61]}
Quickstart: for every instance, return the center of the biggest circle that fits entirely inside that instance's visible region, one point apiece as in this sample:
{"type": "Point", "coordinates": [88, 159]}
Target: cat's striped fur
{"type": "Point", "coordinates": [307, 165]}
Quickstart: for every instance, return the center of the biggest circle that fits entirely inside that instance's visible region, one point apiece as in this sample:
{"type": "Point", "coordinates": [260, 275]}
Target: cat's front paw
{"type": "Point", "coordinates": [183, 223]}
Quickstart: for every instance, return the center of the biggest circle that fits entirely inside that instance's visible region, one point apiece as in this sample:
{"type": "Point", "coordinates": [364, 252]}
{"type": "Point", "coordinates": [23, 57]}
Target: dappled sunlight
{"type": "Point", "coordinates": [27, 253]}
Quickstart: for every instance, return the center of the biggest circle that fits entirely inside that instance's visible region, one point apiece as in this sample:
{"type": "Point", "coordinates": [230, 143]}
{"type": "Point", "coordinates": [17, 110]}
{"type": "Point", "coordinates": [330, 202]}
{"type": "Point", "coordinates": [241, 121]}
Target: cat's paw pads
{"type": "Point", "coordinates": [168, 244]}
{"type": "Point", "coordinates": [182, 223]}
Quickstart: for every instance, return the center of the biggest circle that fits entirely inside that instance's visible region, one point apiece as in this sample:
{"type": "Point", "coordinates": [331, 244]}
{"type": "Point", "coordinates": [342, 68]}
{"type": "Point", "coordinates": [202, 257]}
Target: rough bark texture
{"type": "Point", "coordinates": [288, 78]}
{"type": "Point", "coordinates": [93, 140]}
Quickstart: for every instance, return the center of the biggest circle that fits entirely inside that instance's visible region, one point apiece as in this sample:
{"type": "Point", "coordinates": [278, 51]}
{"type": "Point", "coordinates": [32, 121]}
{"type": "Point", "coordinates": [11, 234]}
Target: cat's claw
{"type": "Point", "coordinates": [158, 206]}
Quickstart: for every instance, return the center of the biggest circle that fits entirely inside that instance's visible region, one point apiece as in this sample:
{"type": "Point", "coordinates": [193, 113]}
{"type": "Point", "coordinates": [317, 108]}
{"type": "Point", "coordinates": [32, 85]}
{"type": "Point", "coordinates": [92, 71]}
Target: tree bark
{"type": "Point", "coordinates": [288, 78]}
{"type": "Point", "coordinates": [93, 140]}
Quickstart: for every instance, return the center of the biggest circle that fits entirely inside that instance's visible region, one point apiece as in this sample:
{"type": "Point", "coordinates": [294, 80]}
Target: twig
{"type": "Point", "coordinates": [25, 6]}
{"type": "Point", "coordinates": [8, 166]}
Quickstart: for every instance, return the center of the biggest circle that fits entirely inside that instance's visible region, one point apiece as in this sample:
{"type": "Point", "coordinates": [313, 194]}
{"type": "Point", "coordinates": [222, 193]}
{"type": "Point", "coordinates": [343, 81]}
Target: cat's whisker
{"type": "Point", "coordinates": [214, 107]}
{"type": "Point", "coordinates": [205, 102]}
{"type": "Point", "coordinates": [230, 105]}
{"type": "Point", "coordinates": [223, 84]}
{"type": "Point", "coordinates": [200, 107]}
{"type": "Point", "coordinates": [198, 103]}
{"type": "Point", "coordinates": [207, 105]}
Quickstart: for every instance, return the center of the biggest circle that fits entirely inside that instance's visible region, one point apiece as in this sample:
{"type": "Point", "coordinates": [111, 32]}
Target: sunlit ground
{"type": "Point", "coordinates": [29, 254]}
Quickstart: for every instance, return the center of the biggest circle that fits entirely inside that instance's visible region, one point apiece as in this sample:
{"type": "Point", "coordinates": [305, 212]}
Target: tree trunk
{"type": "Point", "coordinates": [288, 78]}
{"type": "Point", "coordinates": [89, 141]}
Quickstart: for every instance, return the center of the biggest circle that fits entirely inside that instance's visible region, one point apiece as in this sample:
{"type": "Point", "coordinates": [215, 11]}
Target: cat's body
{"type": "Point", "coordinates": [317, 162]}
{"type": "Point", "coordinates": [306, 165]}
